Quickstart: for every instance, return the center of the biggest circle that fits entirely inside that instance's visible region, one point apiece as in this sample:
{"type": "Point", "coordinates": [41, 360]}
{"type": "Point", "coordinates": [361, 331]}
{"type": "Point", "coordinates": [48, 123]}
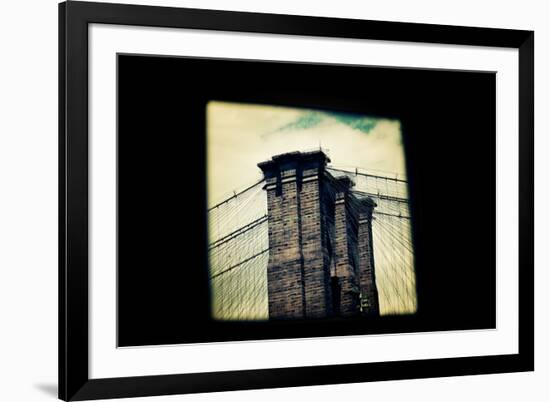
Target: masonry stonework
{"type": "Point", "coordinates": [369, 292]}
{"type": "Point", "coordinates": [345, 250]}
{"type": "Point", "coordinates": [316, 241]}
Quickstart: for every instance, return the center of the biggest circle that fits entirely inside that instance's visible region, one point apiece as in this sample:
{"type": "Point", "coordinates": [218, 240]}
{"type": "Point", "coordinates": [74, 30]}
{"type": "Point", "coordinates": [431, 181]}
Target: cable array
{"type": "Point", "coordinates": [238, 254]}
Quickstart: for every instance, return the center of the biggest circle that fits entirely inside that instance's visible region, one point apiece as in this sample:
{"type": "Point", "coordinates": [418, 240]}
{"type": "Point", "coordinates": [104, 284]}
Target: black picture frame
{"type": "Point", "coordinates": [74, 380]}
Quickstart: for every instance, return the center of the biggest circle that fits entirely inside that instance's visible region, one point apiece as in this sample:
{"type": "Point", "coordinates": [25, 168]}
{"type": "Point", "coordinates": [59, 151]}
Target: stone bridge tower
{"type": "Point", "coordinates": [321, 260]}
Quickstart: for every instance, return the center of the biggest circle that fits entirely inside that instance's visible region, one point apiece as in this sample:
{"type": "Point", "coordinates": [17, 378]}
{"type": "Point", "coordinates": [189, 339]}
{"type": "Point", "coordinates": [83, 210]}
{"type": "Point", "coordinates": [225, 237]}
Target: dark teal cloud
{"type": "Point", "coordinates": [308, 120]}
{"type": "Point", "coordinates": [357, 122]}
{"type": "Point", "coordinates": [312, 119]}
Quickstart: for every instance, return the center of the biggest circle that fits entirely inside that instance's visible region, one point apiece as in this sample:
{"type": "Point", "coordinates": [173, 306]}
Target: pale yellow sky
{"type": "Point", "coordinates": [242, 135]}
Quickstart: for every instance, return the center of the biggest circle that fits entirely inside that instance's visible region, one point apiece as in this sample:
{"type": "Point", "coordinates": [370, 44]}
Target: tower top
{"type": "Point", "coordinates": [294, 160]}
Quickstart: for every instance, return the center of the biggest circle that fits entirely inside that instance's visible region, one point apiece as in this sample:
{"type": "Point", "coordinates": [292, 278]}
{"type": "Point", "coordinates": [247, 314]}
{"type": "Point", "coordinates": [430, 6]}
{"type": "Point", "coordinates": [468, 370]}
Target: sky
{"type": "Point", "coordinates": [242, 135]}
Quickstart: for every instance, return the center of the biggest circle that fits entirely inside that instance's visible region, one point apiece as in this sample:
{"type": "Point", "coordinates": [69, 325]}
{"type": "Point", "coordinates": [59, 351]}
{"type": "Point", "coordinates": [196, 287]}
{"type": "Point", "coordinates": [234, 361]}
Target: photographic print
{"type": "Point", "coordinates": [270, 200]}
{"type": "Point", "coordinates": [308, 214]}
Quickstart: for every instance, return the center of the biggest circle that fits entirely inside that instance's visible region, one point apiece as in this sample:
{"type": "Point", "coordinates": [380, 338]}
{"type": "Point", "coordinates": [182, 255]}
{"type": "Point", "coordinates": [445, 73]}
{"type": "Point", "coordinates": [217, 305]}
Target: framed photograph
{"type": "Point", "coordinates": [257, 201]}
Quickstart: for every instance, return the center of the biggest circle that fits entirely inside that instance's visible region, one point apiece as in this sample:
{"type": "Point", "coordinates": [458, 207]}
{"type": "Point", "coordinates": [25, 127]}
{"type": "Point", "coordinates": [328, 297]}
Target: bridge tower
{"type": "Point", "coordinates": [320, 239]}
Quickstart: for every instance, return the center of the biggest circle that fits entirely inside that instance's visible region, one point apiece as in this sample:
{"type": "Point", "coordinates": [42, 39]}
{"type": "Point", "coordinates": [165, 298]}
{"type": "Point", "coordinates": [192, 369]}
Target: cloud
{"type": "Point", "coordinates": [303, 122]}
{"type": "Point", "coordinates": [357, 122]}
{"type": "Point", "coordinates": [312, 119]}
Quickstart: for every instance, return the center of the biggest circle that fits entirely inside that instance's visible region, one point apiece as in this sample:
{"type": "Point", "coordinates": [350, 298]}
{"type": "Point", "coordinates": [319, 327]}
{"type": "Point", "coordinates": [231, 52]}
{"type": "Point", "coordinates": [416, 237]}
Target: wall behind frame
{"type": "Point", "coordinates": [28, 202]}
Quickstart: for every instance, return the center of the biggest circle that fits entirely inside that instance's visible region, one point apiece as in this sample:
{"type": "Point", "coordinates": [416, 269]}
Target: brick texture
{"type": "Point", "coordinates": [315, 240]}
{"type": "Point", "coordinates": [369, 292]}
{"type": "Point", "coordinates": [345, 240]}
